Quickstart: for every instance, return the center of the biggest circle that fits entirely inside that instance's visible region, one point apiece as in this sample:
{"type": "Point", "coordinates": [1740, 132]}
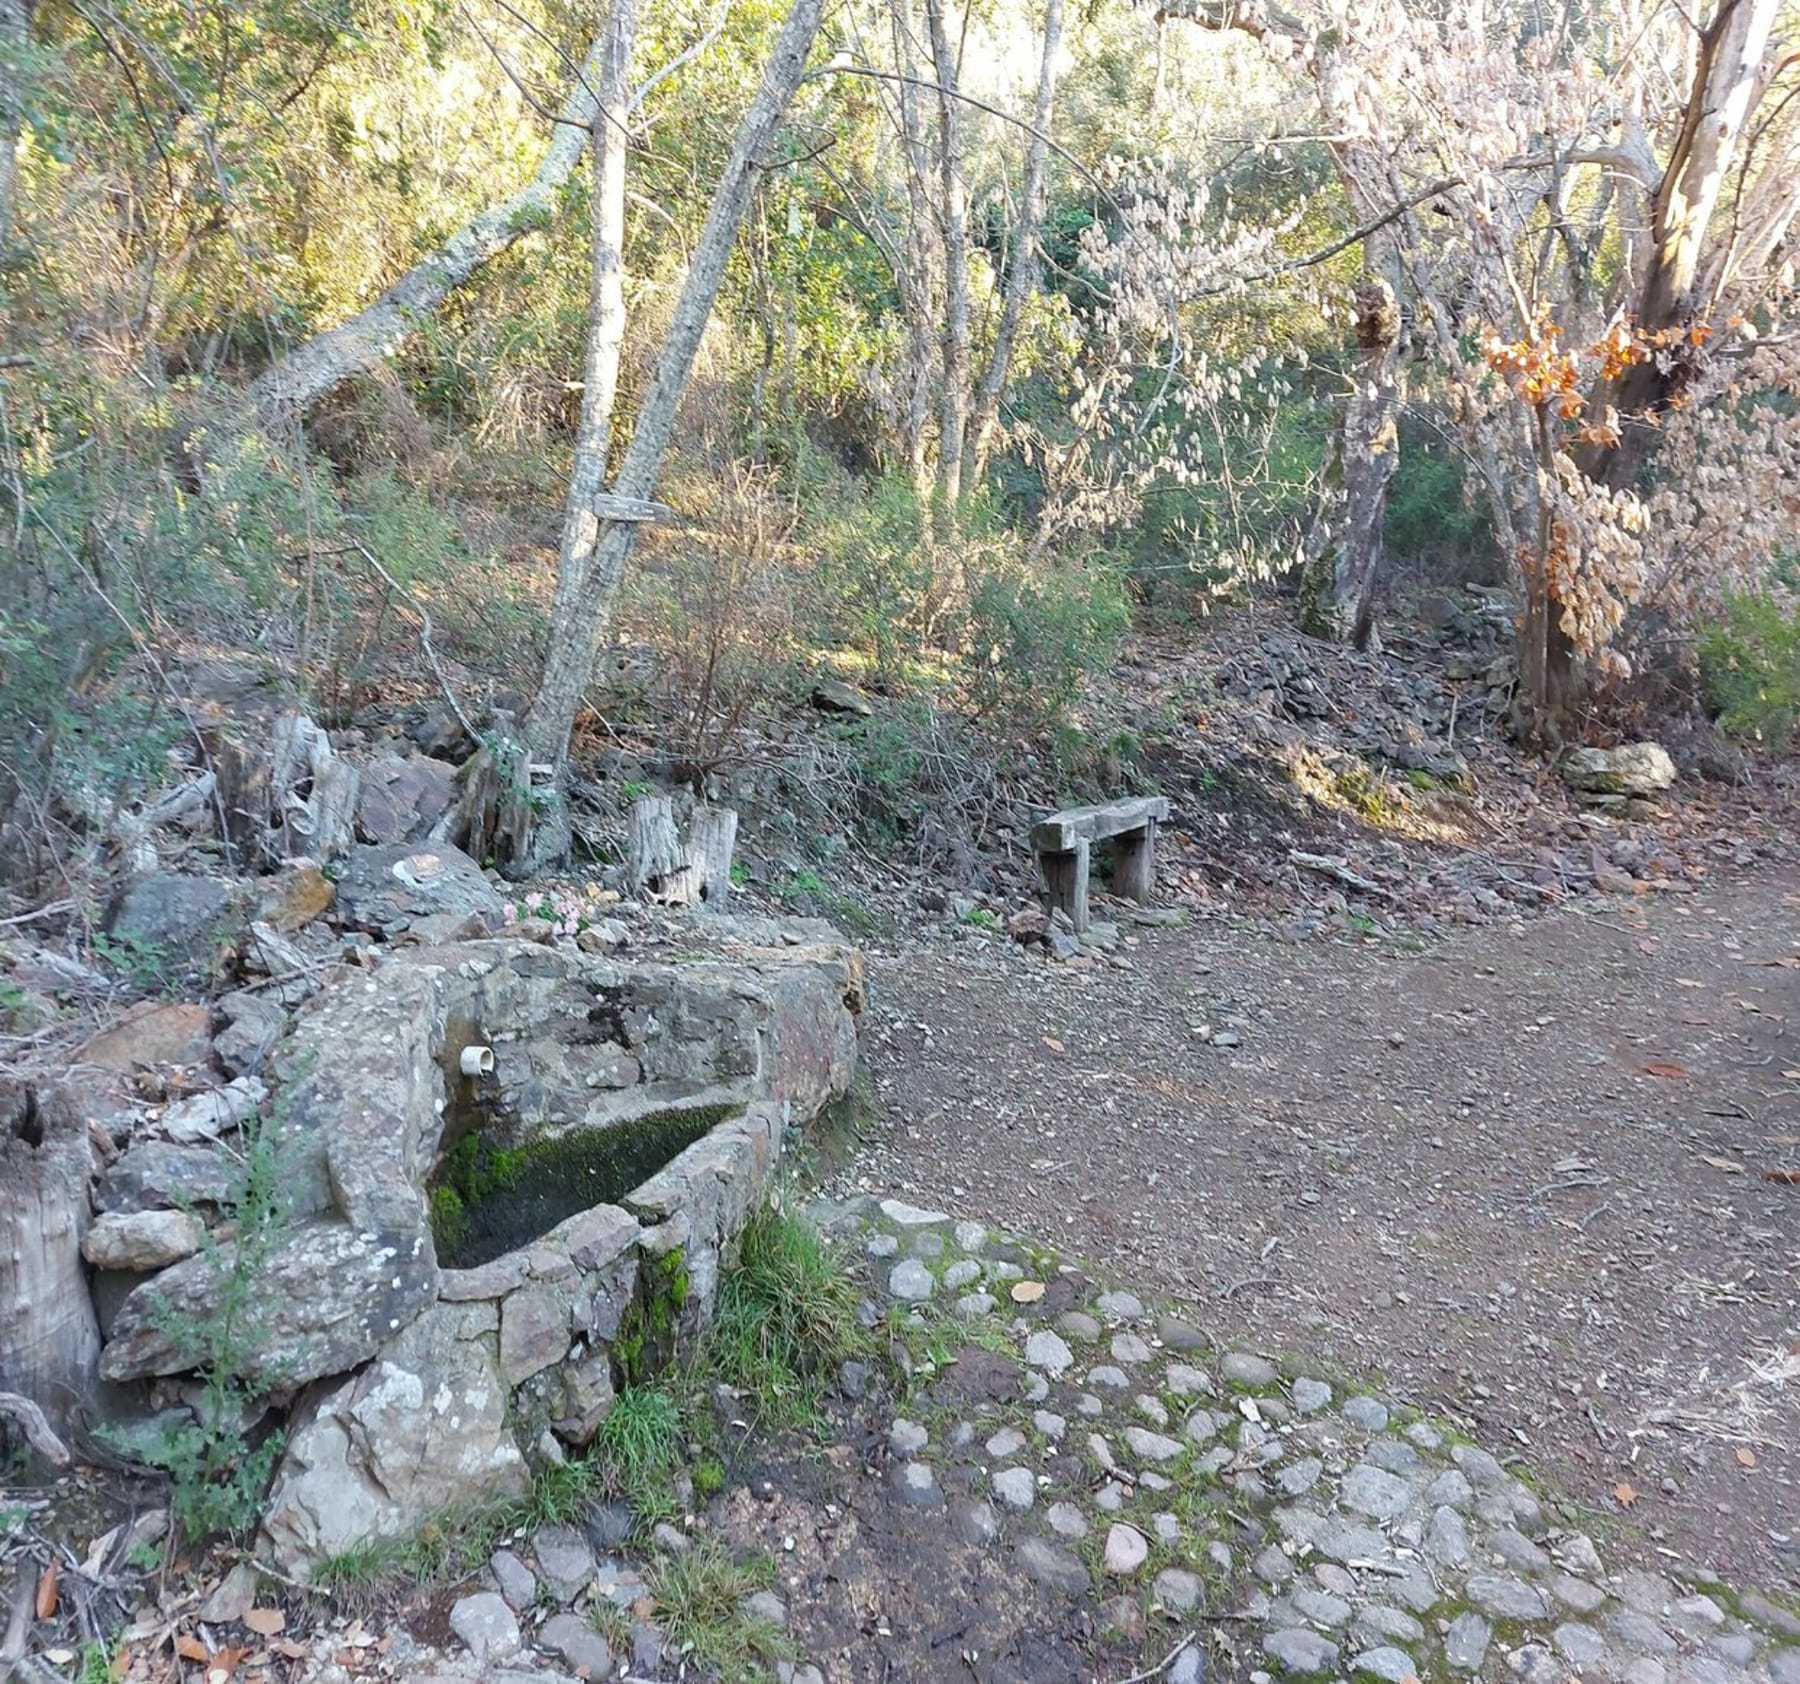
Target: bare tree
{"type": "Point", "coordinates": [576, 630]}
{"type": "Point", "coordinates": [1024, 254]}
{"type": "Point", "coordinates": [295, 382]}
{"type": "Point", "coordinates": [15, 38]}
{"type": "Point", "coordinates": [953, 218]}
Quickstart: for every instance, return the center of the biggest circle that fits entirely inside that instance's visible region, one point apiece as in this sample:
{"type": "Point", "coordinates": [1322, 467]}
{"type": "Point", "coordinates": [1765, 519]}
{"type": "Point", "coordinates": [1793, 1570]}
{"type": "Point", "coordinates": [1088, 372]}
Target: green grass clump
{"type": "Point", "coordinates": [700, 1596]}
{"type": "Point", "coordinates": [641, 1438]}
{"type": "Point", "coordinates": [785, 1319]}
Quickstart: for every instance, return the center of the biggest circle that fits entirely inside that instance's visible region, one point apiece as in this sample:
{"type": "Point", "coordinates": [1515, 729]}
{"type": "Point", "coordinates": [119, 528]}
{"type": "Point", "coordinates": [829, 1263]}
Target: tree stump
{"type": "Point", "coordinates": [712, 838]}
{"type": "Point", "coordinates": [655, 860]}
{"type": "Point", "coordinates": [49, 1340]}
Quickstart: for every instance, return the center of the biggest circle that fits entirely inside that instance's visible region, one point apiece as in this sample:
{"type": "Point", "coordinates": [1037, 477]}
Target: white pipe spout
{"type": "Point", "coordinates": [477, 1061]}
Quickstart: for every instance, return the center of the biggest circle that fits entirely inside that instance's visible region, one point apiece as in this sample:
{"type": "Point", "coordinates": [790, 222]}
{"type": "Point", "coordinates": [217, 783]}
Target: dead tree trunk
{"type": "Point", "coordinates": [575, 632]}
{"type": "Point", "coordinates": [15, 39]}
{"type": "Point", "coordinates": [953, 217]}
{"type": "Point", "coordinates": [1346, 549]}
{"type": "Point", "coordinates": [712, 839]}
{"type": "Point", "coordinates": [292, 385]}
{"type": "Point", "coordinates": [49, 1341]}
{"type": "Point", "coordinates": [653, 850]}
{"type": "Point", "coordinates": [1024, 258]}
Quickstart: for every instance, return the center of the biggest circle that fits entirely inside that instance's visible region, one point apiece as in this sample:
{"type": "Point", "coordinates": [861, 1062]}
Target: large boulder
{"type": "Point", "coordinates": [166, 924]}
{"type": "Point", "coordinates": [403, 796]}
{"type": "Point", "coordinates": [326, 1298]}
{"type": "Point", "coordinates": [419, 1431]}
{"type": "Point", "coordinates": [383, 888]}
{"type": "Point", "coordinates": [1632, 769]}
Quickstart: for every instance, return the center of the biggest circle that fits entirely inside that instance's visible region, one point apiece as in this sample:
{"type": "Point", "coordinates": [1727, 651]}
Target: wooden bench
{"type": "Point", "coordinates": [1064, 844]}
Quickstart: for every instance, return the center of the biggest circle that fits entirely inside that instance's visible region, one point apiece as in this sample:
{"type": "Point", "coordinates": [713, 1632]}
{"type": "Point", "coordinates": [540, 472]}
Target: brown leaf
{"type": "Point", "coordinates": [1053, 1044]}
{"type": "Point", "coordinates": [1787, 962]}
{"type": "Point", "coordinates": [1027, 1292]}
{"type": "Point", "coordinates": [1725, 1164]}
{"type": "Point", "coordinates": [1625, 1493]}
{"type": "Point", "coordinates": [1783, 1177]}
{"type": "Point", "coordinates": [1746, 1458]}
{"type": "Point", "coordinates": [266, 1622]}
{"type": "Point", "coordinates": [1666, 1067]}
{"type": "Point", "coordinates": [190, 1648]}
{"type": "Point", "coordinates": [46, 1591]}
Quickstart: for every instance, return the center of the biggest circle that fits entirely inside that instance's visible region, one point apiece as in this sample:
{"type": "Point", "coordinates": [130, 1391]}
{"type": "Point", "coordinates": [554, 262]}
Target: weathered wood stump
{"type": "Point", "coordinates": [49, 1341]}
{"type": "Point", "coordinates": [1064, 843]}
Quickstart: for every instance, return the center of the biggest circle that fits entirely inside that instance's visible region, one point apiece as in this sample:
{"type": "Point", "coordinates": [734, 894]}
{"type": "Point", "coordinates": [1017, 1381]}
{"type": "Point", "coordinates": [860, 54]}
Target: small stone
{"type": "Point", "coordinates": [1048, 1351]}
{"type": "Point", "coordinates": [961, 1274]}
{"type": "Point", "coordinates": [972, 1306]}
{"type": "Point", "coordinates": [1078, 1324]}
{"type": "Point", "coordinates": [1121, 1306]}
{"type": "Point", "coordinates": [1335, 1578]}
{"type": "Point", "coordinates": [1016, 1488]}
{"type": "Point", "coordinates": [1067, 1521]}
{"type": "Point", "coordinates": [1770, 1615]}
{"type": "Point", "coordinates": [970, 1236]}
{"type": "Point", "coordinates": [1178, 1336]}
{"type": "Point", "coordinates": [1395, 1457]}
{"type": "Point", "coordinates": [1466, 1642]}
{"type": "Point", "coordinates": [486, 1626]}
{"type": "Point", "coordinates": [1123, 1616]}
{"type": "Point", "coordinates": [1310, 1395]}
{"type": "Point", "coordinates": [1053, 1567]}
{"type": "Point", "coordinates": [1009, 1441]}
{"type": "Point", "coordinates": [1051, 1425]}
{"type": "Point", "coordinates": [1245, 1368]}
{"type": "Point", "coordinates": [1738, 1648]}
{"type": "Point", "coordinates": [1129, 1348]}
{"type": "Point", "coordinates": [903, 1215]}
{"type": "Point", "coordinates": [565, 1561]}
{"type": "Point", "coordinates": [853, 1379]}
{"type": "Point", "coordinates": [1300, 1476]}
{"type": "Point", "coordinates": [1185, 1381]}
{"type": "Point", "coordinates": [1378, 1624]}
{"type": "Point", "coordinates": [1374, 1492]}
{"type": "Point", "coordinates": [911, 1282]}
{"type": "Point", "coordinates": [1167, 1529]}
{"type": "Point", "coordinates": [1113, 1379]}
{"type": "Point", "coordinates": [1633, 1630]}
{"type": "Point", "coordinates": [576, 1642]}
{"type": "Point", "coordinates": [1189, 1667]}
{"type": "Point", "coordinates": [232, 1597]}
{"type": "Point", "coordinates": [1321, 1607]}
{"type": "Point", "coordinates": [1299, 1651]}
{"type": "Point", "coordinates": [1151, 1409]}
{"type": "Point", "coordinates": [766, 1606]}
{"type": "Point", "coordinates": [976, 1523]}
{"type": "Point", "coordinates": [1175, 1587]}
{"type": "Point", "coordinates": [1150, 1480]}
{"type": "Point", "coordinates": [1152, 1447]}
{"type": "Point", "coordinates": [1110, 1497]}
{"type": "Point", "coordinates": [1447, 1539]}
{"type": "Point", "coordinates": [670, 1539]}
{"type": "Point", "coordinates": [1126, 1549]}
{"type": "Point", "coordinates": [1579, 1645]}
{"type": "Point", "coordinates": [1576, 1552]}
{"type": "Point", "coordinates": [1034, 1386]}
{"type": "Point", "coordinates": [1450, 1490]}
{"type": "Point", "coordinates": [1784, 1666]}
{"type": "Point", "coordinates": [1644, 1670]}
{"type": "Point", "coordinates": [1366, 1412]}
{"type": "Point", "coordinates": [141, 1240]}
{"type": "Point", "coordinates": [1387, 1663]}
{"type": "Point", "coordinates": [907, 1438]}
{"type": "Point", "coordinates": [1274, 1566]}
{"type": "Point", "coordinates": [917, 1484]}
{"type": "Point", "coordinates": [1576, 1593]}
{"type": "Point", "coordinates": [1425, 1436]}
{"type": "Point", "coordinates": [882, 1245]}
{"type": "Point", "coordinates": [518, 1584]}
{"type": "Point", "coordinates": [1507, 1598]}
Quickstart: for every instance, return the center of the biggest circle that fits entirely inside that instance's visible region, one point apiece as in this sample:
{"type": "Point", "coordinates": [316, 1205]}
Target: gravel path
{"type": "Point", "coordinates": [1517, 1177]}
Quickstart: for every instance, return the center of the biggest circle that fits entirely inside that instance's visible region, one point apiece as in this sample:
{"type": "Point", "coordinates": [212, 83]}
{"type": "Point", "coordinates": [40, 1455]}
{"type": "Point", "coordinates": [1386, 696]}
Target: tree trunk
{"type": "Point", "coordinates": [1338, 591]}
{"type": "Point", "coordinates": [49, 1341]}
{"type": "Point", "coordinates": [1024, 255]}
{"type": "Point", "coordinates": [653, 853]}
{"type": "Point", "coordinates": [283, 393]}
{"type": "Point", "coordinates": [712, 839]}
{"type": "Point", "coordinates": [918, 284]}
{"type": "Point", "coordinates": [575, 632]}
{"type": "Point", "coordinates": [953, 215]}
{"type": "Point", "coordinates": [606, 311]}
{"type": "Point", "coordinates": [15, 40]}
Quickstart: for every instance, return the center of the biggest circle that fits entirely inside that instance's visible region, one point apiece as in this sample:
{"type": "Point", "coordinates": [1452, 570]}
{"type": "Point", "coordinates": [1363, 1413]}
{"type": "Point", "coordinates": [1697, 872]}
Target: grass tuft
{"type": "Point", "coordinates": [700, 1598]}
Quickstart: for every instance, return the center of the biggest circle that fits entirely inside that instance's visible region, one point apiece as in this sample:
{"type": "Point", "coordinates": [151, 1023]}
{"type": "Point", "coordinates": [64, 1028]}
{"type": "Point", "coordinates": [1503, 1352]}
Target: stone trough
{"type": "Point", "coordinates": [416, 1385]}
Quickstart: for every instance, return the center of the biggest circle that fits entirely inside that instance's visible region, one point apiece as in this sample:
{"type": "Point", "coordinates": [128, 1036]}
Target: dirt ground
{"type": "Point", "coordinates": [1520, 1174]}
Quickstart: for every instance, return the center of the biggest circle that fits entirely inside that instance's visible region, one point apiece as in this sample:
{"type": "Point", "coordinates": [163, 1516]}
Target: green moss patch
{"type": "Point", "coordinates": [488, 1200]}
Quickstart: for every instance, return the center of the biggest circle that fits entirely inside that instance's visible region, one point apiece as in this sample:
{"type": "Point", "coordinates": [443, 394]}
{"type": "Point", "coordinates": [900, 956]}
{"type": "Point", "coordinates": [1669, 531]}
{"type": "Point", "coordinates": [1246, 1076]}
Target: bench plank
{"type": "Point", "coordinates": [1058, 833]}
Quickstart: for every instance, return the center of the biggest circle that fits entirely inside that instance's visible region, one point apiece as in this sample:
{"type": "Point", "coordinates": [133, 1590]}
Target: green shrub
{"type": "Point", "coordinates": [1750, 669]}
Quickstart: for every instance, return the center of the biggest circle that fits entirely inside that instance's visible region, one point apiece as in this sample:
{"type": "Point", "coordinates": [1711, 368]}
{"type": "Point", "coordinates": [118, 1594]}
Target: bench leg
{"type": "Point", "coordinates": [1066, 882]}
{"type": "Point", "coordinates": [1134, 863]}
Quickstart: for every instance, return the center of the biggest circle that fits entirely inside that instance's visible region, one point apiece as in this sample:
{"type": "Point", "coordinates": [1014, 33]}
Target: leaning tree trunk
{"type": "Point", "coordinates": [953, 214]}
{"type": "Point", "coordinates": [1025, 258]}
{"type": "Point", "coordinates": [15, 39]}
{"type": "Point", "coordinates": [575, 632]}
{"type": "Point", "coordinates": [1729, 81]}
{"type": "Point", "coordinates": [49, 1341]}
{"type": "Point", "coordinates": [1346, 550]}
{"type": "Point", "coordinates": [293, 384]}
{"type": "Point", "coordinates": [606, 313]}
